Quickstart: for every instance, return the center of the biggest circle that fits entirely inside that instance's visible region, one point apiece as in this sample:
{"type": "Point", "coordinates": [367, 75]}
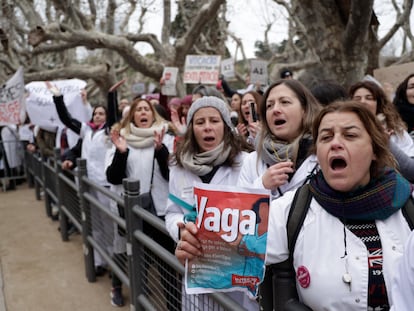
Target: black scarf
{"type": "Point", "coordinates": [378, 200]}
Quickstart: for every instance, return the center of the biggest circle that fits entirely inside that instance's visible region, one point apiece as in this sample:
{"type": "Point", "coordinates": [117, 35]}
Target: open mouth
{"type": "Point", "coordinates": [280, 122]}
{"type": "Point", "coordinates": [209, 139]}
{"type": "Point", "coordinates": [338, 164]}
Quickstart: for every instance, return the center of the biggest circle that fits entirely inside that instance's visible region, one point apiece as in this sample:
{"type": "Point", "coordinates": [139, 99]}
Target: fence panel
{"type": "Point", "coordinates": [146, 266]}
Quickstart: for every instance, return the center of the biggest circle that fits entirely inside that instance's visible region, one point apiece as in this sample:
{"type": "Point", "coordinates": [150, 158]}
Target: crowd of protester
{"type": "Point", "coordinates": [354, 148]}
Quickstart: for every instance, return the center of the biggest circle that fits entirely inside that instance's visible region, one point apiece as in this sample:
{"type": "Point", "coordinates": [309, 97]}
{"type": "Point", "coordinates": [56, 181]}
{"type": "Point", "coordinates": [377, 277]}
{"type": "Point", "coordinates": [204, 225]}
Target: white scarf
{"type": "Point", "coordinates": [138, 137]}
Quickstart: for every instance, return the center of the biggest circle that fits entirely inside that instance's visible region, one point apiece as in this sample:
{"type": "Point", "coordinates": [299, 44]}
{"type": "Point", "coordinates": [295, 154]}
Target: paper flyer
{"type": "Point", "coordinates": [232, 224]}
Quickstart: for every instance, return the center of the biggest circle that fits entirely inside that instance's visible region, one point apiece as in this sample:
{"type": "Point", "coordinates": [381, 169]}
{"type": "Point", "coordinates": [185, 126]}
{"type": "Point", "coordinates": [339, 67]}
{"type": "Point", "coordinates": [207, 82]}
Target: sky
{"type": "Point", "coordinates": [248, 18]}
{"type": "Point", "coordinates": [247, 21]}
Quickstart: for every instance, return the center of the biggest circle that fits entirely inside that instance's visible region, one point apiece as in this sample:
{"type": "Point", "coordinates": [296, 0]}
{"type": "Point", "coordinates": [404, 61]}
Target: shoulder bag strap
{"type": "Point", "coordinates": [408, 212]}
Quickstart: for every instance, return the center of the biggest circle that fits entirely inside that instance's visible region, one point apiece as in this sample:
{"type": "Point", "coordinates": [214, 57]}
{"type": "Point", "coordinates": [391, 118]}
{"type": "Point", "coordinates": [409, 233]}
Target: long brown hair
{"type": "Point", "coordinates": [130, 116]}
{"type": "Point", "coordinates": [308, 102]}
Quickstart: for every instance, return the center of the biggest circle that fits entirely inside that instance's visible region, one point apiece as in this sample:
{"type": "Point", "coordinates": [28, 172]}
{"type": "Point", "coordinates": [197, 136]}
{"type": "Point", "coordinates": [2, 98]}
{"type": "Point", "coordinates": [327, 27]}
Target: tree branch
{"type": "Point", "coordinates": [401, 18]}
{"type": "Point", "coordinates": [95, 40]}
{"type": "Point", "coordinates": [184, 44]}
{"type": "Point", "coordinates": [98, 73]}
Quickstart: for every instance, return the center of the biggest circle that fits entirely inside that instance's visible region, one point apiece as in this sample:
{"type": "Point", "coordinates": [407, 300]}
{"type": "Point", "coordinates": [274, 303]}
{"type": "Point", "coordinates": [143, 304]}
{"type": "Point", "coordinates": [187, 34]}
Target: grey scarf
{"type": "Point", "coordinates": [203, 163]}
{"type": "Point", "coordinates": [275, 151]}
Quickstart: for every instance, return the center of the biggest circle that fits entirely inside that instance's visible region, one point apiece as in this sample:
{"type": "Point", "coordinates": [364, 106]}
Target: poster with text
{"type": "Point", "coordinates": [42, 110]}
{"type": "Point", "coordinates": [203, 69]}
{"type": "Point", "coordinates": [169, 76]}
{"type": "Point", "coordinates": [227, 68]}
{"type": "Point", "coordinates": [232, 224]}
{"type": "Point", "coordinates": [12, 109]}
{"type": "Point", "coordinates": [258, 72]}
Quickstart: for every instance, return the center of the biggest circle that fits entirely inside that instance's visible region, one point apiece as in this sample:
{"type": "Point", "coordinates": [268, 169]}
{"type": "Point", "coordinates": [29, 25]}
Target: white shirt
{"type": "Point", "coordinates": [252, 173]}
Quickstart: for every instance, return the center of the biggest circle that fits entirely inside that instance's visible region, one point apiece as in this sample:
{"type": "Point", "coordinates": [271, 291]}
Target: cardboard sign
{"type": "Point", "coordinates": [394, 74]}
{"type": "Point", "coordinates": [12, 100]}
{"type": "Point", "coordinates": [203, 69]}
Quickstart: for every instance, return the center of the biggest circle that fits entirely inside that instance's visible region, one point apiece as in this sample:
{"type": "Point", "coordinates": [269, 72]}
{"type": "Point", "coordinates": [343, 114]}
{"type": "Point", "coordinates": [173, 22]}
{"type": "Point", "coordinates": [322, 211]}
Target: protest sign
{"type": "Point", "coordinates": [41, 109]}
{"type": "Point", "coordinates": [394, 74]}
{"type": "Point", "coordinates": [169, 76]}
{"type": "Point", "coordinates": [12, 99]}
{"type": "Point", "coordinates": [232, 224]}
{"type": "Point", "coordinates": [227, 68]}
{"type": "Point", "coordinates": [258, 72]}
{"type": "Point", "coordinates": [138, 88]}
{"type": "Point", "coordinates": [203, 69]}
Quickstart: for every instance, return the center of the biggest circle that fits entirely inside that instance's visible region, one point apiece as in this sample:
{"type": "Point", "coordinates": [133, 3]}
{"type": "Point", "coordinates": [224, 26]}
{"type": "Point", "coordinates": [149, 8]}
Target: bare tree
{"type": "Point", "coordinates": [341, 37]}
{"type": "Point", "coordinates": [43, 37]}
{"type": "Point", "coordinates": [329, 39]}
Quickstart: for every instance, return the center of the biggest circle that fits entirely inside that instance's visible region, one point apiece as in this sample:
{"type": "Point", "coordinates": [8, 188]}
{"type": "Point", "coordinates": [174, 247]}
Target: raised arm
{"type": "Point", "coordinates": [63, 113]}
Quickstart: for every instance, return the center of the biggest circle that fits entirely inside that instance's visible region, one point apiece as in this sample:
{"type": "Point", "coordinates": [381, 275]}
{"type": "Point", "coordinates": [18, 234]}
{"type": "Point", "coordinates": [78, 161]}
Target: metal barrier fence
{"type": "Point", "coordinates": [12, 164]}
{"type": "Point", "coordinates": [145, 266]}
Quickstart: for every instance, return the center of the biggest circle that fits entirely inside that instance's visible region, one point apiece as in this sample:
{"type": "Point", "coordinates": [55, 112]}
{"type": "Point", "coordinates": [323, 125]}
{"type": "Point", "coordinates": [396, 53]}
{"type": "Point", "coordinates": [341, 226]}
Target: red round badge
{"type": "Point", "coordinates": [303, 276]}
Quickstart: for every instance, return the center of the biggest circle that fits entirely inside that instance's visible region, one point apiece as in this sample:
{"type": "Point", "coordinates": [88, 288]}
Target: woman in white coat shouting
{"type": "Point", "coordinates": [280, 162]}
{"type": "Point", "coordinates": [141, 151]}
{"type": "Point", "coordinates": [210, 153]}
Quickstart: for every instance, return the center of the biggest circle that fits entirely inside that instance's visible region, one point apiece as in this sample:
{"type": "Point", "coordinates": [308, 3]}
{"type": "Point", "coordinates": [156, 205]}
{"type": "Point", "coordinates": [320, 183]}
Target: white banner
{"type": "Point", "coordinates": [258, 72]}
{"type": "Point", "coordinates": [12, 100]}
{"type": "Point", "coordinates": [203, 69]}
{"type": "Point", "coordinates": [41, 109]}
{"type": "Point", "coordinates": [169, 76]}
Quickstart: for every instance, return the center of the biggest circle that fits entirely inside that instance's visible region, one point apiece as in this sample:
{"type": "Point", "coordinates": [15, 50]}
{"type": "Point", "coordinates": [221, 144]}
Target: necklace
{"type": "Point", "coordinates": [277, 154]}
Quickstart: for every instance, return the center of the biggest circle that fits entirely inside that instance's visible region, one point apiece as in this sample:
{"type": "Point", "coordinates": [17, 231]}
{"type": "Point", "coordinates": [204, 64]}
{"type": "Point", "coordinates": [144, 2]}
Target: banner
{"type": "Point", "coordinates": [169, 76]}
{"type": "Point", "coordinates": [258, 72]}
{"type": "Point", "coordinates": [232, 224]}
{"type": "Point", "coordinates": [42, 110]}
{"type": "Point", "coordinates": [203, 69]}
{"type": "Point", "coordinates": [12, 100]}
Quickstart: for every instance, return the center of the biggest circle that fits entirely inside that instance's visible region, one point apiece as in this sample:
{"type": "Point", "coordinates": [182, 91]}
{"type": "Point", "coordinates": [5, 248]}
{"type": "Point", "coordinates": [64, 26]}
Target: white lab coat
{"type": "Point", "coordinates": [252, 172]}
{"type": "Point", "coordinates": [405, 143]}
{"type": "Point", "coordinates": [403, 285]}
{"type": "Point", "coordinates": [181, 185]}
{"type": "Point", "coordinates": [12, 145]}
{"type": "Point", "coordinates": [139, 166]}
{"type": "Point", "coordinates": [320, 249]}
{"type": "Point", "coordinates": [95, 145]}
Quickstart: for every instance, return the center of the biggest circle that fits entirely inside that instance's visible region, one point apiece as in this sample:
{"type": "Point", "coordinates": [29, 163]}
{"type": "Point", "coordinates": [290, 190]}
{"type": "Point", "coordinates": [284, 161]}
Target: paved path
{"type": "Point", "coordinates": [38, 271]}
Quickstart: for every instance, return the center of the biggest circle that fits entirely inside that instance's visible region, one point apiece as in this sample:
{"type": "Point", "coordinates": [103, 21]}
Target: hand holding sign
{"type": "Point", "coordinates": [53, 89]}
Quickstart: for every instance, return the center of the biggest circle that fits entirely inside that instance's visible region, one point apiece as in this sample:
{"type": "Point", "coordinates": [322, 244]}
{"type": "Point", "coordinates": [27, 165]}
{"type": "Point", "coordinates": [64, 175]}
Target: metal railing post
{"type": "Point", "coordinates": [48, 203]}
{"type": "Point", "coordinates": [131, 192]}
{"type": "Point", "coordinates": [86, 222]}
{"type": "Point", "coordinates": [63, 219]}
